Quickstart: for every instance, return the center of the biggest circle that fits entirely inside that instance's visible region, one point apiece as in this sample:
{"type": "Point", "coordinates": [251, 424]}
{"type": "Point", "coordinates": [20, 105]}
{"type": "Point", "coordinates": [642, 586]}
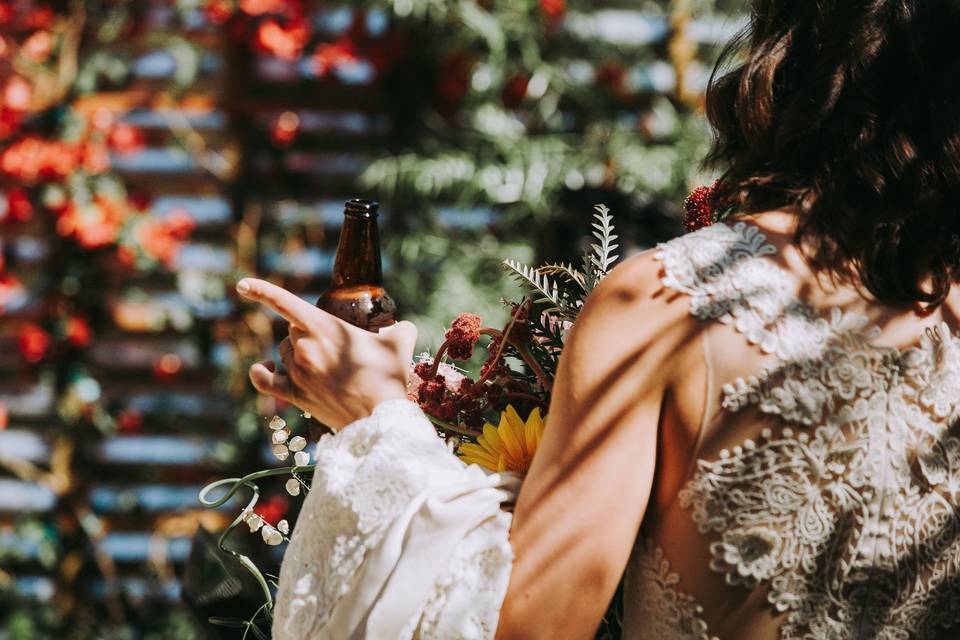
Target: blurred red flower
{"type": "Point", "coordinates": [78, 332]}
{"type": "Point", "coordinates": [218, 11]}
{"type": "Point", "coordinates": [515, 90]}
{"type": "Point", "coordinates": [167, 366]}
{"type": "Point", "coordinates": [125, 138]}
{"type": "Point", "coordinates": [260, 7]}
{"type": "Point", "coordinates": [454, 80]}
{"type": "Point", "coordinates": [18, 208]}
{"type": "Point", "coordinates": [31, 158]}
{"type": "Point", "coordinates": [553, 11]}
{"type": "Point", "coordinates": [284, 41]}
{"type": "Point", "coordinates": [285, 129]}
{"type": "Point", "coordinates": [96, 158]}
{"type": "Point", "coordinates": [93, 225]}
{"type": "Point", "coordinates": [272, 510]}
{"type": "Point", "coordinates": [39, 18]}
{"type": "Point", "coordinates": [9, 121]}
{"type": "Point", "coordinates": [10, 289]}
{"type": "Point", "coordinates": [613, 76]}
{"type": "Point", "coordinates": [130, 421]}
{"type": "Point", "coordinates": [33, 342]}
{"type": "Point", "coordinates": [330, 55]}
{"type": "Point", "coordinates": [161, 239]}
{"type": "Point", "coordinates": [38, 46]}
{"type": "Point", "coordinates": [17, 94]}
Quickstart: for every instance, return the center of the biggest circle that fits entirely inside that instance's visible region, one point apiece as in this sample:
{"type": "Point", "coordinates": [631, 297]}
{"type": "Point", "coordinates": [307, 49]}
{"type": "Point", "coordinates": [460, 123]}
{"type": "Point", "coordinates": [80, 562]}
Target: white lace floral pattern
{"type": "Point", "coordinates": [661, 610]}
{"type": "Point", "coordinates": [365, 478]}
{"type": "Point", "coordinates": [850, 511]}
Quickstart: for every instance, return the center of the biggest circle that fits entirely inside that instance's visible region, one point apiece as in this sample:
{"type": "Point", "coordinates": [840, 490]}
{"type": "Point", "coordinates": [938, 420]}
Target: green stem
{"type": "Point", "coordinates": [447, 426]}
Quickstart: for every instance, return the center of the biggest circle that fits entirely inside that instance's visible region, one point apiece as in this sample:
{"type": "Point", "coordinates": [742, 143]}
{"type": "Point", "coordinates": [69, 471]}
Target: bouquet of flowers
{"type": "Point", "coordinates": [495, 420]}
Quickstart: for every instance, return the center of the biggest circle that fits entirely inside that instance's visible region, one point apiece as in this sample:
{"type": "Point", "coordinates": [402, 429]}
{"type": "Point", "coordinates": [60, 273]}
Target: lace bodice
{"type": "Point", "coordinates": [843, 510]}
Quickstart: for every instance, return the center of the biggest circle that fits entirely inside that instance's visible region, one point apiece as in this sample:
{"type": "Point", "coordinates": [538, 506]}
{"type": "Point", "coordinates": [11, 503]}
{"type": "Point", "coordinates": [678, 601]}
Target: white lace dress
{"type": "Point", "coordinates": [825, 492]}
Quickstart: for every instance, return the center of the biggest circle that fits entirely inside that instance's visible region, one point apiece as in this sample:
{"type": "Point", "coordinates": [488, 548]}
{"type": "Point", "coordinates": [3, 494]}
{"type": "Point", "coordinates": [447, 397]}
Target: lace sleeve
{"type": "Point", "coordinates": [397, 538]}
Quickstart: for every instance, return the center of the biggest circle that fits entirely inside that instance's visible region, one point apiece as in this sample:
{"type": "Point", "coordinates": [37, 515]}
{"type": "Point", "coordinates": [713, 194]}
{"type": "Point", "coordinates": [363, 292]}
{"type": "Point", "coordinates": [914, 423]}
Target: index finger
{"type": "Point", "coordinates": [289, 305]}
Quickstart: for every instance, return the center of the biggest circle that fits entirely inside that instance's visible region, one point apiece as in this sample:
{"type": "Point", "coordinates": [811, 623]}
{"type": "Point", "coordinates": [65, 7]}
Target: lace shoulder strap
{"type": "Point", "coordinates": [721, 269]}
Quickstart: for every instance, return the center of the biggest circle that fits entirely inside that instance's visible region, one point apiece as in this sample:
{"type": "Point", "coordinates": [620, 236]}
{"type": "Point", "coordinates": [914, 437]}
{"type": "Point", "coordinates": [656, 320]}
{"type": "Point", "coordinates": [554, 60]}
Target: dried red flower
{"type": "Point", "coordinates": [462, 336]}
{"type": "Point", "coordinates": [699, 207]}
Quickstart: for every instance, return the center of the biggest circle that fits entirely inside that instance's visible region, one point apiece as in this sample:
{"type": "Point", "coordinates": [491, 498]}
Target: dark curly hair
{"type": "Point", "coordinates": [848, 111]}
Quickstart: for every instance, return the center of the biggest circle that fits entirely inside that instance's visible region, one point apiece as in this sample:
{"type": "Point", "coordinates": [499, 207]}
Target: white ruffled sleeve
{"type": "Point", "coordinates": [396, 539]}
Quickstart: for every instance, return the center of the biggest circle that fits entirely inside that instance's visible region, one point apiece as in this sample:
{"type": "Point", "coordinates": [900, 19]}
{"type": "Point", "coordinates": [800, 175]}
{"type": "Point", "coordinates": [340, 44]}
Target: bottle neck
{"type": "Point", "coordinates": [358, 252]}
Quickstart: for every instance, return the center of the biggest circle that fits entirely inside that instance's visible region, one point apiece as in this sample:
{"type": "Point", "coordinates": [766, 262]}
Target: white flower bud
{"type": "Point", "coordinates": [271, 536]}
{"type": "Point", "coordinates": [283, 527]}
{"type": "Point", "coordinates": [254, 522]}
{"type": "Point", "coordinates": [280, 452]}
{"type": "Point", "coordinates": [277, 423]}
{"type": "Point", "coordinates": [293, 487]}
{"type": "Point", "coordinates": [301, 458]}
{"type": "Point", "coordinates": [307, 415]}
{"type": "Point", "coordinates": [297, 443]}
{"type": "Point", "coordinates": [280, 436]}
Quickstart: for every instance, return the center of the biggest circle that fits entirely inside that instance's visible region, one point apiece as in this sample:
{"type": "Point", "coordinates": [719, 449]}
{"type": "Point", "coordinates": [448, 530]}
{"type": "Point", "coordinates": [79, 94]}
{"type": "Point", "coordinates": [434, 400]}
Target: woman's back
{"type": "Point", "coordinates": [821, 491]}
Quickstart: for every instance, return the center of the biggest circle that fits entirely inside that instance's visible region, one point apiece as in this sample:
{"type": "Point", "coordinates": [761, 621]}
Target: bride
{"type": "Point", "coordinates": [756, 425]}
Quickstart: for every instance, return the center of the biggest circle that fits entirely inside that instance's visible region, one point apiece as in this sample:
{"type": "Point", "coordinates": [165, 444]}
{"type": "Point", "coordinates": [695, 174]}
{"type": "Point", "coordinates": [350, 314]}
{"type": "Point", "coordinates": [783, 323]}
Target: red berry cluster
{"type": "Point", "coordinates": [699, 207]}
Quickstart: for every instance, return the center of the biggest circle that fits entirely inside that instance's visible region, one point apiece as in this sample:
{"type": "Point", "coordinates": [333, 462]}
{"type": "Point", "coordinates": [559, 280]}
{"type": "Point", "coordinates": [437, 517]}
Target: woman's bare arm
{"type": "Point", "coordinates": [586, 493]}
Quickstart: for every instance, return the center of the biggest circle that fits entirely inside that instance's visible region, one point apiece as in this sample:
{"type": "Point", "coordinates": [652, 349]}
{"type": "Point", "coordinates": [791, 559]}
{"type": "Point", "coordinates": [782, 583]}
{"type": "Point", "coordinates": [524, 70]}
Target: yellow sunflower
{"type": "Point", "coordinates": [509, 446]}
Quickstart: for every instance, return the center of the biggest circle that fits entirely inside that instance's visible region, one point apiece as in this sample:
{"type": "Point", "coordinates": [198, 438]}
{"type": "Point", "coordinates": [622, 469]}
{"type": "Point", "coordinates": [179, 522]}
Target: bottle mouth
{"type": "Point", "coordinates": [361, 208]}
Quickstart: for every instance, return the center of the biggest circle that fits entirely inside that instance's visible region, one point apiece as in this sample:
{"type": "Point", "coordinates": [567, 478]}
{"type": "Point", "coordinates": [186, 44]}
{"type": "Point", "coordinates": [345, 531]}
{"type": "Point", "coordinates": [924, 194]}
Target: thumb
{"type": "Point", "coordinates": [266, 379]}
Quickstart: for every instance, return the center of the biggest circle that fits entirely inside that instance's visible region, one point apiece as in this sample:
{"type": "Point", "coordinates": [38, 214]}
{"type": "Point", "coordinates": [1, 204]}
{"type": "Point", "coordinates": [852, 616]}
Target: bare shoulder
{"type": "Point", "coordinates": [632, 320]}
{"type": "Point", "coordinates": [634, 291]}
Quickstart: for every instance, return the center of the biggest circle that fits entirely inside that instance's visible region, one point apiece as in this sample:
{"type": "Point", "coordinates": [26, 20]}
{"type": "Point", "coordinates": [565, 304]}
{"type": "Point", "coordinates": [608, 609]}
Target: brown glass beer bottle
{"type": "Point", "coordinates": [356, 294]}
